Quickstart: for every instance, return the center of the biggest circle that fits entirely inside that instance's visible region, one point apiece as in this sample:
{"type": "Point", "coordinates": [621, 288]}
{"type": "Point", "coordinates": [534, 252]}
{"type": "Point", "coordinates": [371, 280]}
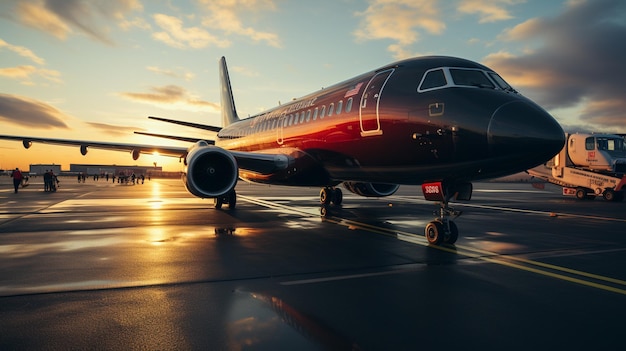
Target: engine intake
{"type": "Point", "coordinates": [210, 171]}
{"type": "Point", "coordinates": [371, 189]}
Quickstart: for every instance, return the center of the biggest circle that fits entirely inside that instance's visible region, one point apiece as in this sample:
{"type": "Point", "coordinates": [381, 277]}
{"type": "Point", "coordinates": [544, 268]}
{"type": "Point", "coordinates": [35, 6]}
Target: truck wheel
{"type": "Point", "coordinates": [581, 194]}
{"type": "Point", "coordinates": [609, 195]}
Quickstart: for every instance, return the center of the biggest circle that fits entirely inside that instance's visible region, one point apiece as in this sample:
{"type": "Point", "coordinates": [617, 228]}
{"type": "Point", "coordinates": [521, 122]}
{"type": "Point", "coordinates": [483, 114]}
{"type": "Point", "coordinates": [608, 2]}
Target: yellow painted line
{"type": "Point", "coordinates": [467, 251]}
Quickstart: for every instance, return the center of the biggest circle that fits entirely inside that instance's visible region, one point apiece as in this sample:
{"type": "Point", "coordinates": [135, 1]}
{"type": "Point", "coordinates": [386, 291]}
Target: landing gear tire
{"type": "Point", "coordinates": [326, 196]}
{"type": "Point", "coordinates": [434, 232]}
{"type": "Point", "coordinates": [451, 237]}
{"type": "Point", "coordinates": [230, 199]}
{"type": "Point", "coordinates": [330, 195]}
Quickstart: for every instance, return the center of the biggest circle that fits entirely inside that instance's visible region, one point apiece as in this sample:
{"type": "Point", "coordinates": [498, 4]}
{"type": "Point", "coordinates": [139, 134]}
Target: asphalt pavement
{"type": "Point", "coordinates": [100, 265]}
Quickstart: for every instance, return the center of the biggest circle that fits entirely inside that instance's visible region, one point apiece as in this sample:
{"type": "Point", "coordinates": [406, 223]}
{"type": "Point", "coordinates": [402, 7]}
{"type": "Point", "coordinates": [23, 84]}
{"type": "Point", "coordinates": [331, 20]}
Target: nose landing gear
{"type": "Point", "coordinates": [442, 229]}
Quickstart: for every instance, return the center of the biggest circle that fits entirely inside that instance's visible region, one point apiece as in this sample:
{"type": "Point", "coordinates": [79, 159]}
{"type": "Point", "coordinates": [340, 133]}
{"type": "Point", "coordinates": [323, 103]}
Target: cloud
{"type": "Point", "coordinates": [26, 112]}
{"type": "Point", "coordinates": [22, 51]}
{"type": "Point", "coordinates": [26, 72]}
{"type": "Point", "coordinates": [578, 59]}
{"type": "Point", "coordinates": [61, 18]}
{"type": "Point", "coordinates": [488, 10]}
{"type": "Point", "coordinates": [112, 130]}
{"type": "Point", "coordinates": [224, 15]}
{"type": "Point", "coordinates": [399, 20]}
{"type": "Point", "coordinates": [171, 97]}
{"type": "Point", "coordinates": [175, 35]}
{"type": "Point", "coordinates": [172, 73]}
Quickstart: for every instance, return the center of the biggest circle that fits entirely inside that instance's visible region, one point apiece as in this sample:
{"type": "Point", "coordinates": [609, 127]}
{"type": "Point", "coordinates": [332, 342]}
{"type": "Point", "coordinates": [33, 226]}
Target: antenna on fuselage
{"type": "Point", "coordinates": [229, 112]}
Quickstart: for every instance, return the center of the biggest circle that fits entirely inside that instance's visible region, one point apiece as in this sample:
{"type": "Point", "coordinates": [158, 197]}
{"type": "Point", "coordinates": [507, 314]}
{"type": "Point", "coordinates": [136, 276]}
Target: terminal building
{"type": "Point", "coordinates": [40, 169]}
{"type": "Point", "coordinates": [90, 170]}
{"type": "Point", "coordinates": [115, 169]}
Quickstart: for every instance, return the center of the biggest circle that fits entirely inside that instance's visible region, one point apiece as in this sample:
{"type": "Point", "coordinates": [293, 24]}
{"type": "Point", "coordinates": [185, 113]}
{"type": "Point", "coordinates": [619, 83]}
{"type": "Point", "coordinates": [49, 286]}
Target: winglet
{"type": "Point", "coordinates": [229, 112]}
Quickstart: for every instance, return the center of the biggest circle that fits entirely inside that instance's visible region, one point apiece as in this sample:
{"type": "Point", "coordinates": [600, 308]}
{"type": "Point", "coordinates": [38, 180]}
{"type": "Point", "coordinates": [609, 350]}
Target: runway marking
{"type": "Point", "coordinates": [545, 269]}
{"type": "Point", "coordinates": [518, 210]}
{"type": "Point", "coordinates": [347, 276]}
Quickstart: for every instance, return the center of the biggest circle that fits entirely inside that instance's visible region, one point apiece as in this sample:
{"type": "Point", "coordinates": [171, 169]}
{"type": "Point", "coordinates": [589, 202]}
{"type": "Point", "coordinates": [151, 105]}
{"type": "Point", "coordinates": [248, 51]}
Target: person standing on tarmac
{"type": "Point", "coordinates": [17, 178]}
{"type": "Point", "coordinates": [46, 181]}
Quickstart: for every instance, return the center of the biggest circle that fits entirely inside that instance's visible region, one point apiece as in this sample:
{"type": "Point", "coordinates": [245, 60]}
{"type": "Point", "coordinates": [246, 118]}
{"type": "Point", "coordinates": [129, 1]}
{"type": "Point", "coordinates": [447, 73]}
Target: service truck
{"type": "Point", "coordinates": [589, 165]}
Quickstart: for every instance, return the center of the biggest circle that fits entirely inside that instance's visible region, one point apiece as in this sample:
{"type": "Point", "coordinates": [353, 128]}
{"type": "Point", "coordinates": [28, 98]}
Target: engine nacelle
{"type": "Point", "coordinates": [210, 171]}
{"type": "Point", "coordinates": [371, 189]}
{"type": "Point", "coordinates": [135, 154]}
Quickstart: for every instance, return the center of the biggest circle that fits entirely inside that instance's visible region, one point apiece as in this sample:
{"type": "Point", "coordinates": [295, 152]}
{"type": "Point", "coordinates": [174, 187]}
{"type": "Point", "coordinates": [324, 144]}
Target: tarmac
{"type": "Point", "coordinates": [100, 265]}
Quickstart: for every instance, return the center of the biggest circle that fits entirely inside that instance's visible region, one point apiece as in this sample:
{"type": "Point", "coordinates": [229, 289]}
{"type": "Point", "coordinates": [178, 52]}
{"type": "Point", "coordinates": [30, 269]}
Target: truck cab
{"type": "Point", "coordinates": [597, 152]}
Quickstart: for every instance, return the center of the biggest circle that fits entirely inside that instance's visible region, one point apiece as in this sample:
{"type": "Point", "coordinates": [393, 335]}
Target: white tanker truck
{"type": "Point", "coordinates": [589, 165]}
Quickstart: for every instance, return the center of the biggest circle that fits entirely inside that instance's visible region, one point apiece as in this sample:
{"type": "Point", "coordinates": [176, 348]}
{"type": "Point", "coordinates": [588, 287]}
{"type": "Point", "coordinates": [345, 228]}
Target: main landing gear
{"type": "Point", "coordinates": [229, 199]}
{"type": "Point", "coordinates": [330, 195]}
{"type": "Point", "coordinates": [442, 229]}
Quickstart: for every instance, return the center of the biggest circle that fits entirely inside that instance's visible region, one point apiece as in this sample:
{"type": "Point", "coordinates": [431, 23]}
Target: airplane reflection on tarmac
{"type": "Point", "coordinates": [259, 321]}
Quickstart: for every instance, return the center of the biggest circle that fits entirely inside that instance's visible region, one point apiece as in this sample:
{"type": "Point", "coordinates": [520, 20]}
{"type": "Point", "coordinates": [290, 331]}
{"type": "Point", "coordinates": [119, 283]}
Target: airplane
{"type": "Point", "coordinates": [438, 121]}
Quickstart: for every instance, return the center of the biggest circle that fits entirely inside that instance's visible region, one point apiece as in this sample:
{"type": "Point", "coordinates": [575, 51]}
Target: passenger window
{"type": "Point", "coordinates": [322, 111]}
{"type": "Point", "coordinates": [295, 119]}
{"type": "Point", "coordinates": [339, 106]}
{"type": "Point", "coordinates": [433, 79]}
{"type": "Point", "coordinates": [302, 117]}
{"type": "Point", "coordinates": [315, 113]}
{"type": "Point", "coordinates": [330, 109]}
{"type": "Point", "coordinates": [349, 105]}
{"type": "Point", "coordinates": [308, 115]}
{"type": "Point", "coordinates": [290, 119]}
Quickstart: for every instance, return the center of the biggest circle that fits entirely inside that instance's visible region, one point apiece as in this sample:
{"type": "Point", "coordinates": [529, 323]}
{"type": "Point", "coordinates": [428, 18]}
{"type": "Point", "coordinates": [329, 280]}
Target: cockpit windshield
{"type": "Point", "coordinates": [445, 77]}
{"type": "Point", "coordinates": [471, 77]}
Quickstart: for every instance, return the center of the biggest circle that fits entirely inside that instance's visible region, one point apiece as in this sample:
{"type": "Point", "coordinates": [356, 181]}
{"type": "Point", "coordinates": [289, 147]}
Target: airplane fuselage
{"type": "Point", "coordinates": [393, 125]}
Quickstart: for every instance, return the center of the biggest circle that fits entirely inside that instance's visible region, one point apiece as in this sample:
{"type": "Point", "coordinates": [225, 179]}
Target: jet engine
{"type": "Point", "coordinates": [210, 171]}
{"type": "Point", "coordinates": [371, 189]}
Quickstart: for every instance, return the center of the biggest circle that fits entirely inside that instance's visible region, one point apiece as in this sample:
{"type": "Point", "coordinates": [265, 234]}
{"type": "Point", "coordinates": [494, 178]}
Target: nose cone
{"type": "Point", "coordinates": [524, 135]}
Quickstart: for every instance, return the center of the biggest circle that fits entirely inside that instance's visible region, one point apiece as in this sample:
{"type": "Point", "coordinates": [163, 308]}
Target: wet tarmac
{"type": "Point", "coordinates": [108, 266]}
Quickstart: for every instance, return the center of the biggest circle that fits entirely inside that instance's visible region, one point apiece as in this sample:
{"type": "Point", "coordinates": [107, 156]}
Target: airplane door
{"type": "Point", "coordinates": [370, 100]}
{"type": "Point", "coordinates": [279, 129]}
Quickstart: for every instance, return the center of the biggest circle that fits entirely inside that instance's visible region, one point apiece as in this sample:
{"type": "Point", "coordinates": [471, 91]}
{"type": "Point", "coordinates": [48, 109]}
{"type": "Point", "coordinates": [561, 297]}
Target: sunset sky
{"type": "Point", "coordinates": [94, 70]}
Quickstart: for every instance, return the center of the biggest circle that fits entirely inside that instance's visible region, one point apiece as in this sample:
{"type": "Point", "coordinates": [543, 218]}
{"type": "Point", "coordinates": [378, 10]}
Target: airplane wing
{"type": "Point", "coordinates": [135, 149]}
{"type": "Point", "coordinates": [255, 162]}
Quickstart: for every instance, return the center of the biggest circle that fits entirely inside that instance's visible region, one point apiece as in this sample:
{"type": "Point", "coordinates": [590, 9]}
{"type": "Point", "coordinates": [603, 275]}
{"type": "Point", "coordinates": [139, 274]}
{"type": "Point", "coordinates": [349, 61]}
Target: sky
{"type": "Point", "coordinates": [94, 70]}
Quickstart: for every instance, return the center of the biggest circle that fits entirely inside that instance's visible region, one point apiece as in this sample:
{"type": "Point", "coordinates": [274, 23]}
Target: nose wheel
{"type": "Point", "coordinates": [437, 233]}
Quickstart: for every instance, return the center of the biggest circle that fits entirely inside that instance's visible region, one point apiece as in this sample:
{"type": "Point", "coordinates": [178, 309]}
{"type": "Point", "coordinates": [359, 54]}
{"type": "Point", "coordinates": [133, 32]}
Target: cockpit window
{"type": "Point", "coordinates": [501, 82]}
{"type": "Point", "coordinates": [445, 77]}
{"type": "Point", "coordinates": [433, 79]}
{"type": "Point", "coordinates": [470, 77]}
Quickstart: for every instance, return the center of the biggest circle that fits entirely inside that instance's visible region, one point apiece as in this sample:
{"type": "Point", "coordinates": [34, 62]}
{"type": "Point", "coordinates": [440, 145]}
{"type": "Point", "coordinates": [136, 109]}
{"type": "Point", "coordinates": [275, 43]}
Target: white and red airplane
{"type": "Point", "coordinates": [441, 122]}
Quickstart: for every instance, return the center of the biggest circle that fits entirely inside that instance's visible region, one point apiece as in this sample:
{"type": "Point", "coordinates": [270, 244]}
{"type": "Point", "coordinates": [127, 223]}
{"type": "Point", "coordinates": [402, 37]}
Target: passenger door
{"type": "Point", "coordinates": [370, 100]}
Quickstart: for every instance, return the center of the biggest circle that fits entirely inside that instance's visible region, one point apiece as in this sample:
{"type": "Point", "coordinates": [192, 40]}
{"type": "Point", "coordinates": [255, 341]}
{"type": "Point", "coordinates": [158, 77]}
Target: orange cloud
{"type": "Point", "coordinates": [171, 97]}
{"type": "Point", "coordinates": [400, 21]}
